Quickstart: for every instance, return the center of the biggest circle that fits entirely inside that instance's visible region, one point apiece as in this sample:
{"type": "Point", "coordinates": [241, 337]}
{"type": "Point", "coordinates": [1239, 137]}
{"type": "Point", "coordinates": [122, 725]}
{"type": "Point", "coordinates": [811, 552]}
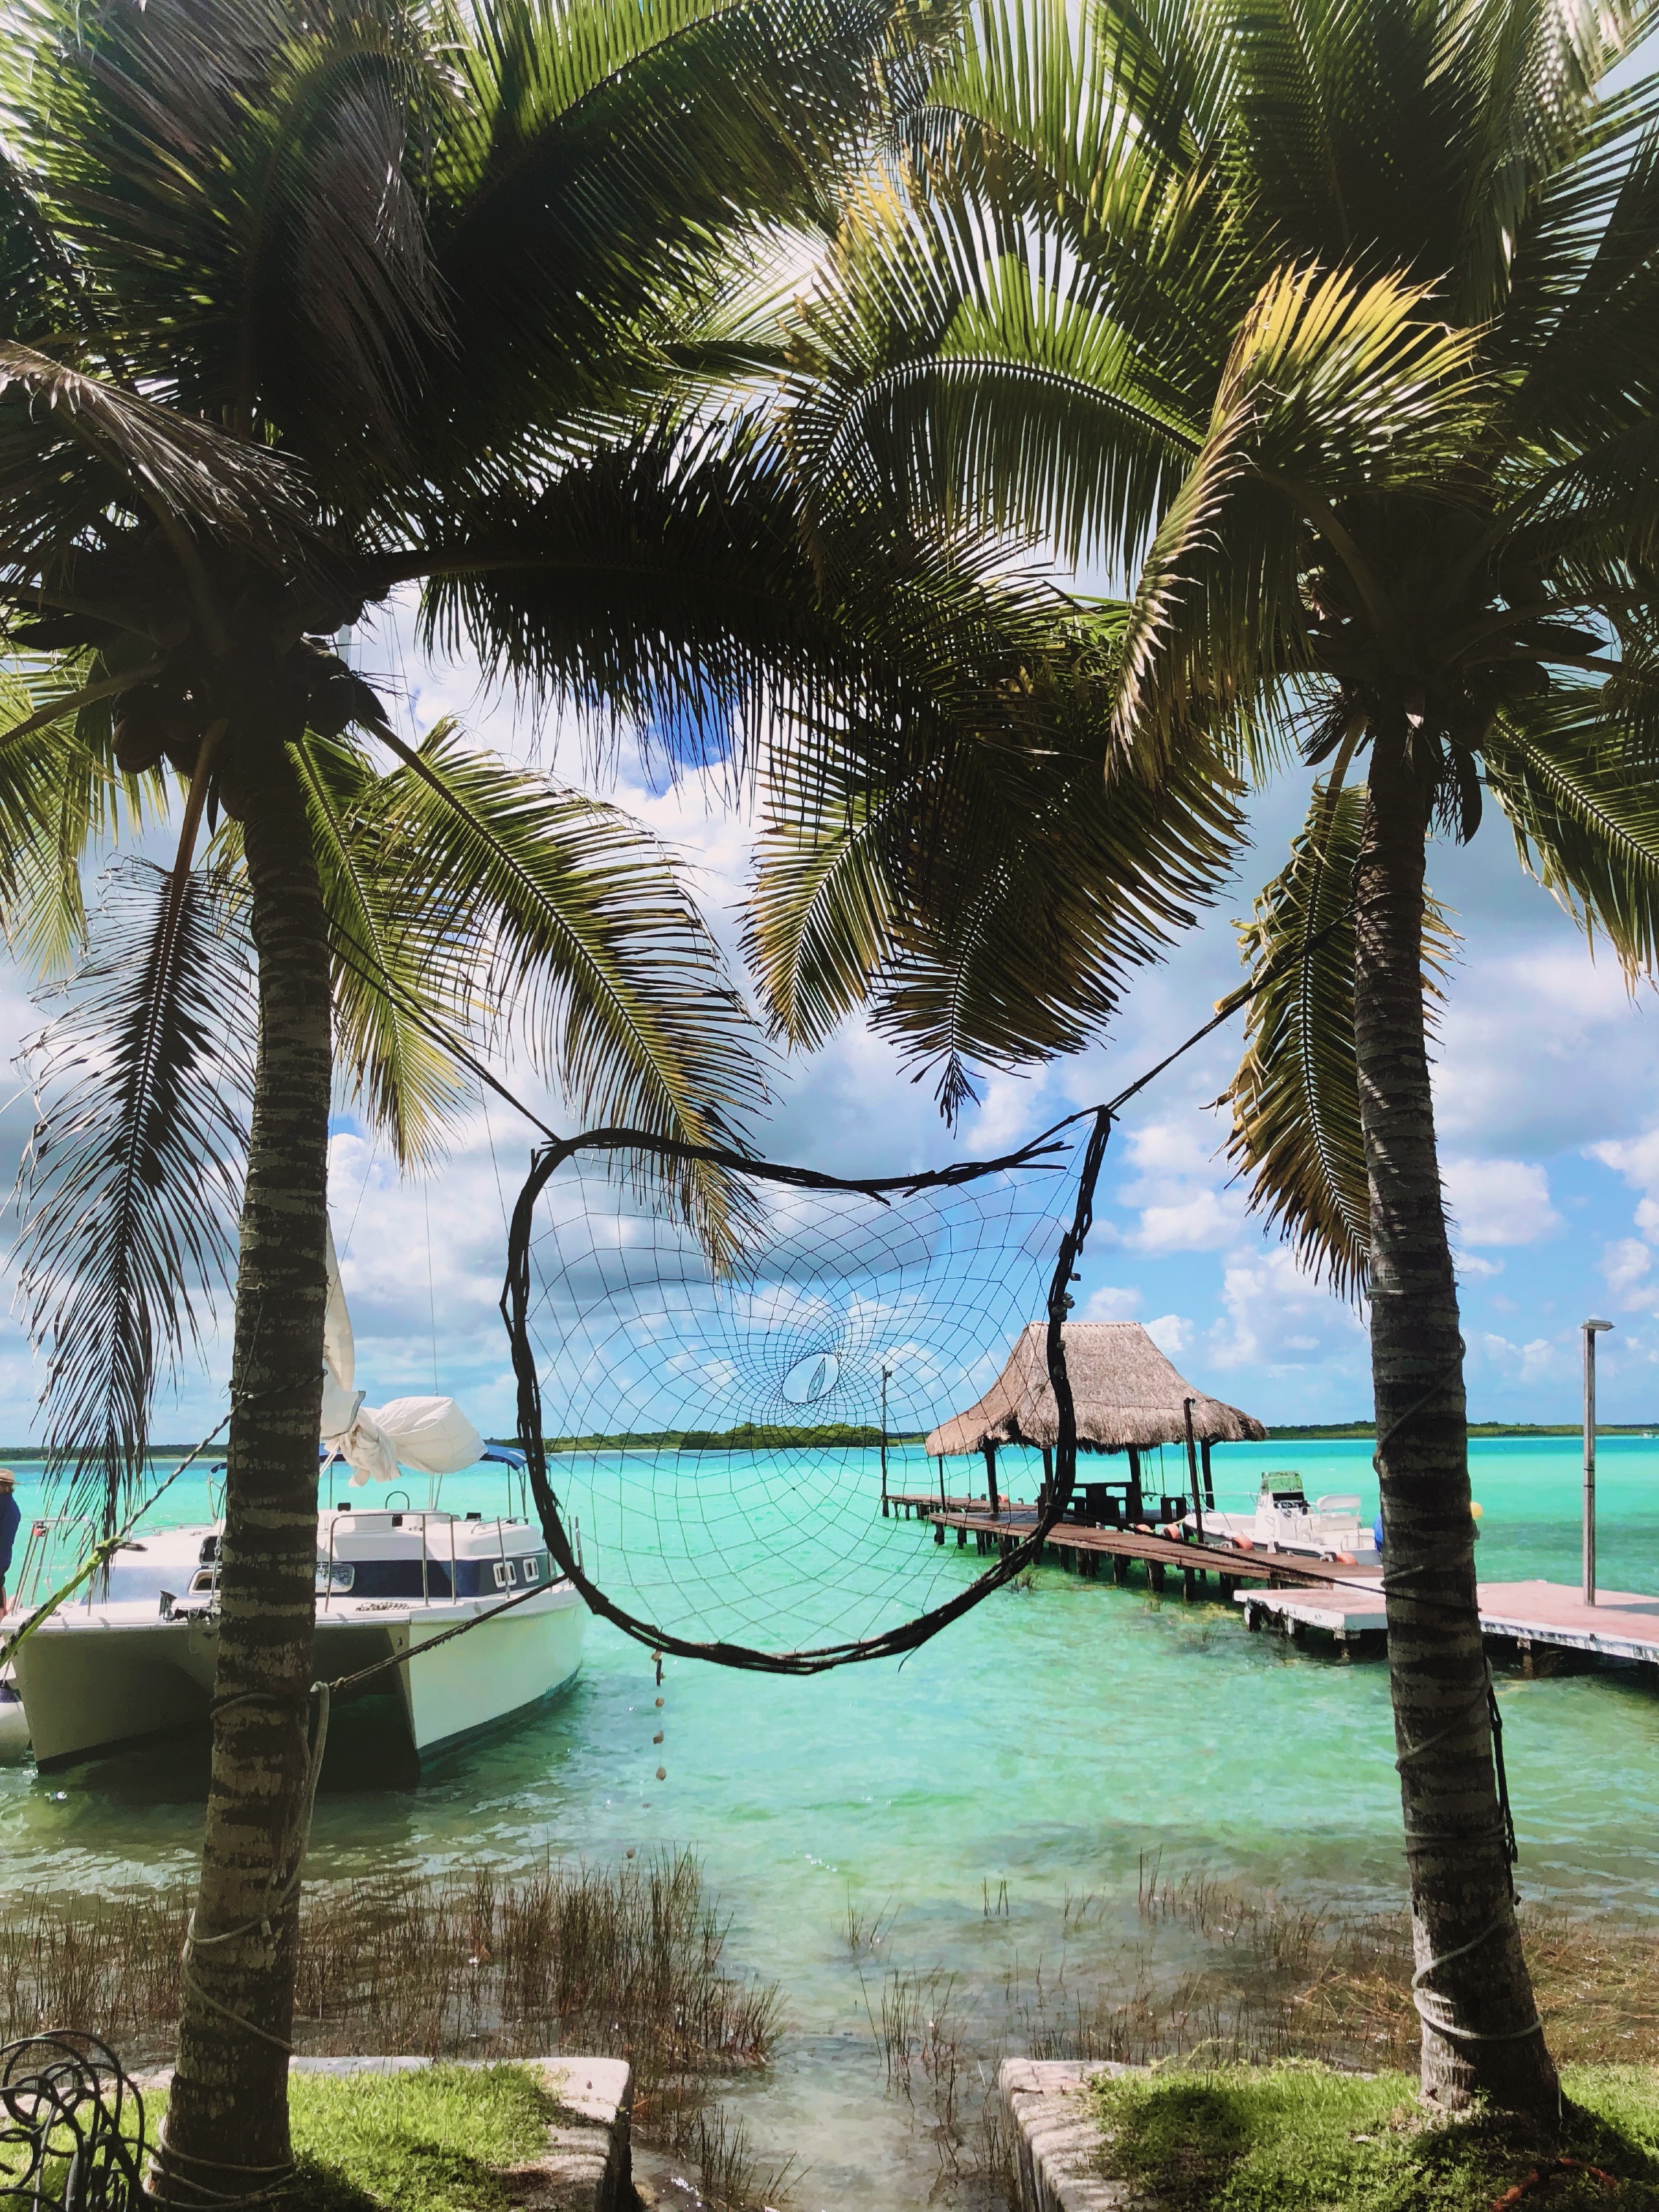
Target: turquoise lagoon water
{"type": "Point", "coordinates": [1050, 1741]}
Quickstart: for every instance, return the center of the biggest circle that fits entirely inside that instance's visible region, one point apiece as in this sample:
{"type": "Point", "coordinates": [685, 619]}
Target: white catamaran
{"type": "Point", "coordinates": [136, 1658]}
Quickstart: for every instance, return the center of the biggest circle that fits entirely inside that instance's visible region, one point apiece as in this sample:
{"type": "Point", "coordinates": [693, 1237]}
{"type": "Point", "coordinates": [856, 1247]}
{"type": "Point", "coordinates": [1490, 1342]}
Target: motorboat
{"type": "Point", "coordinates": [1327, 1527]}
{"type": "Point", "coordinates": [139, 1660]}
{"type": "Point", "coordinates": [135, 1657]}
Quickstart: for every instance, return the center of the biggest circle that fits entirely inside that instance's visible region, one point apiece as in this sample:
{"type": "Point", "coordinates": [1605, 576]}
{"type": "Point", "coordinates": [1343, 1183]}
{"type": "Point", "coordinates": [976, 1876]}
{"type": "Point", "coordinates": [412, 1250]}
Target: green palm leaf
{"type": "Point", "coordinates": [1584, 809]}
{"type": "Point", "coordinates": [130, 1189]}
{"type": "Point", "coordinates": [404, 944]}
{"type": "Point", "coordinates": [988, 890]}
{"type": "Point", "coordinates": [590, 945]}
{"type": "Point", "coordinates": [1333, 385]}
{"type": "Point", "coordinates": [72, 445]}
{"type": "Point", "coordinates": [1294, 1098]}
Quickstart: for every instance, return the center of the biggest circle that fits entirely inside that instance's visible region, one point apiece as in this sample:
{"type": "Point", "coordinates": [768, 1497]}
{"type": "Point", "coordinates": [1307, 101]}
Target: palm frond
{"type": "Point", "coordinates": [606, 157]}
{"type": "Point", "coordinates": [73, 445]}
{"type": "Point", "coordinates": [1585, 813]}
{"type": "Point", "coordinates": [973, 389]}
{"type": "Point", "coordinates": [1335, 385]}
{"type": "Point", "coordinates": [986, 890]}
{"type": "Point", "coordinates": [592, 947]}
{"type": "Point", "coordinates": [666, 571]}
{"type": "Point", "coordinates": [1294, 1098]}
{"type": "Point", "coordinates": [405, 950]}
{"type": "Point", "coordinates": [131, 1187]}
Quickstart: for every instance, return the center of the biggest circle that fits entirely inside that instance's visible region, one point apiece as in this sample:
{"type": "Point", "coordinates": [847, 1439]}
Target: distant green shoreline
{"type": "Point", "coordinates": [779, 1436]}
{"type": "Point", "coordinates": [1314, 1433]}
{"type": "Point", "coordinates": [771, 1438]}
{"type": "Point", "coordinates": [751, 1435]}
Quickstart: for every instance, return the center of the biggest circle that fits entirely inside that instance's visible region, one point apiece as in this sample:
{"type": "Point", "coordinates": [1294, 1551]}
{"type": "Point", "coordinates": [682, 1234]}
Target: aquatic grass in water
{"type": "Point", "coordinates": [1256, 1981]}
{"type": "Point", "coordinates": [625, 1960]}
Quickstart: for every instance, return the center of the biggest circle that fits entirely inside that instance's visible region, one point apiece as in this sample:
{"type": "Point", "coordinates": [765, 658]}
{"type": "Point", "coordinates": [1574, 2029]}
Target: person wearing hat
{"type": "Point", "coordinates": [10, 1514]}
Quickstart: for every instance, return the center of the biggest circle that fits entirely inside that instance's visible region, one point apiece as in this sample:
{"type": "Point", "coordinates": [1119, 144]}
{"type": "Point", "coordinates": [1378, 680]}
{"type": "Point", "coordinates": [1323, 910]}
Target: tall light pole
{"type": "Point", "coordinates": [1592, 1329]}
{"type": "Point", "coordinates": [885, 1372]}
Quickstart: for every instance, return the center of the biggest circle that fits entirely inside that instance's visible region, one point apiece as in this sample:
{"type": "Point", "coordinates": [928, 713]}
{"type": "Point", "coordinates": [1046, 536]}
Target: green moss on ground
{"type": "Point", "coordinates": [434, 2139]}
{"type": "Point", "coordinates": [1300, 2137]}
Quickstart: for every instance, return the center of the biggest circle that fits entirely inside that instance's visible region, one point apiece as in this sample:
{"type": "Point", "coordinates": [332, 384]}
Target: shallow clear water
{"type": "Point", "coordinates": [1048, 1741]}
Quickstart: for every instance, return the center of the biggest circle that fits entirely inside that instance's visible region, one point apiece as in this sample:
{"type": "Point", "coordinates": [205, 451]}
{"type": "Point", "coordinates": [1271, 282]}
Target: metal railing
{"type": "Point", "coordinates": [423, 1517]}
{"type": "Point", "coordinates": [32, 1583]}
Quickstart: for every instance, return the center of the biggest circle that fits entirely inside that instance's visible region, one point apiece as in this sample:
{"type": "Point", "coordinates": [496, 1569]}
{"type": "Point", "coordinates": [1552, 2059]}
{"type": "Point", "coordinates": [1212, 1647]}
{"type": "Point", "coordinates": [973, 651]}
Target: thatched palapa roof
{"type": "Point", "coordinates": [1125, 1392]}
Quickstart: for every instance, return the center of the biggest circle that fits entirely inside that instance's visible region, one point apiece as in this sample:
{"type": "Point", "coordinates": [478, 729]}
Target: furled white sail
{"type": "Point", "coordinates": [340, 1400]}
{"type": "Point", "coordinates": [417, 1436]}
{"type": "Point", "coordinates": [422, 1436]}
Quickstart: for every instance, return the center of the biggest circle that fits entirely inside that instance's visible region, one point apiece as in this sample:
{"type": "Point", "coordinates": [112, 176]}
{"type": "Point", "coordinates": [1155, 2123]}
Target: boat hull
{"type": "Point", "coordinates": [13, 1726]}
{"type": "Point", "coordinates": [507, 1664]}
{"type": "Point", "coordinates": [98, 1679]}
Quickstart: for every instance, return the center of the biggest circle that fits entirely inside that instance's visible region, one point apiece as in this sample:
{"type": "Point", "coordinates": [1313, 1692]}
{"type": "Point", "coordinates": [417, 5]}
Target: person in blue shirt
{"type": "Point", "coordinates": [10, 1515]}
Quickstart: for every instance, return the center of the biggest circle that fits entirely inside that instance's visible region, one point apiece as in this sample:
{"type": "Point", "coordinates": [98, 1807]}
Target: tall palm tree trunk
{"type": "Point", "coordinates": [1479, 2030]}
{"type": "Point", "coordinates": [227, 2125]}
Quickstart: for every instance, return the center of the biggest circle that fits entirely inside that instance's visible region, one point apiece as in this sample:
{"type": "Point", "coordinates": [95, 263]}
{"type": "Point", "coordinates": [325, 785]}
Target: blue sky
{"type": "Point", "coordinates": [1547, 1087]}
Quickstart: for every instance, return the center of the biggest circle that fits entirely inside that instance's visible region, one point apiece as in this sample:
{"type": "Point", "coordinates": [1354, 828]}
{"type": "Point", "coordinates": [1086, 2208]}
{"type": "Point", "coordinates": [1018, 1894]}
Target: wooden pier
{"type": "Point", "coordinates": [1083, 1549]}
{"type": "Point", "coordinates": [1542, 1626]}
{"type": "Point", "coordinates": [918, 1505]}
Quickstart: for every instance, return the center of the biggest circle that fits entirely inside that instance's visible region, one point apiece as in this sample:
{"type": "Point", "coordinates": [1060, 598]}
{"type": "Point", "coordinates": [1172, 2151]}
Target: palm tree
{"type": "Point", "coordinates": [1332, 327]}
{"type": "Point", "coordinates": [300, 307]}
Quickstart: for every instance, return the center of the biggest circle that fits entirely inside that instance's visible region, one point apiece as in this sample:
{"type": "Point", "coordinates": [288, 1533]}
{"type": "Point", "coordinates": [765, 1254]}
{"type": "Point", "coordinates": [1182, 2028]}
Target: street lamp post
{"type": "Point", "coordinates": [1592, 1329]}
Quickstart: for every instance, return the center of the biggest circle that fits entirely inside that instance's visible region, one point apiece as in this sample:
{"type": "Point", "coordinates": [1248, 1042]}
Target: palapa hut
{"type": "Point", "coordinates": [1127, 1396]}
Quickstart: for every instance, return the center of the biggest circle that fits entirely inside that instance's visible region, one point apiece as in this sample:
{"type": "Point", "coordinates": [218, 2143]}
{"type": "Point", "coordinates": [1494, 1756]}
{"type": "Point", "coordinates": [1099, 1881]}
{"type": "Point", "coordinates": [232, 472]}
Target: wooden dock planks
{"type": "Point", "coordinates": [921, 1504]}
{"type": "Point", "coordinates": [1084, 1547]}
{"type": "Point", "coordinates": [1295, 1594]}
{"type": "Point", "coordinates": [1619, 1625]}
{"type": "Point", "coordinates": [1532, 1616]}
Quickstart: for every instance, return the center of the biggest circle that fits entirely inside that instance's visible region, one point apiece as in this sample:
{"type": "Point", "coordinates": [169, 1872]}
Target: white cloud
{"type": "Point", "coordinates": [1111, 1301]}
{"type": "Point", "coordinates": [1280, 1322]}
{"type": "Point", "coordinates": [1172, 1333]}
{"type": "Point", "coordinates": [1499, 1202]}
{"type": "Point", "coordinates": [1005, 1112]}
{"type": "Point", "coordinates": [1627, 1267]}
{"type": "Point", "coordinates": [1636, 1158]}
{"type": "Point", "coordinates": [1180, 1189]}
{"type": "Point", "coordinates": [1202, 1222]}
{"type": "Point", "coordinates": [1627, 1262]}
{"type": "Point", "coordinates": [1539, 1361]}
{"type": "Point", "coordinates": [1542, 1047]}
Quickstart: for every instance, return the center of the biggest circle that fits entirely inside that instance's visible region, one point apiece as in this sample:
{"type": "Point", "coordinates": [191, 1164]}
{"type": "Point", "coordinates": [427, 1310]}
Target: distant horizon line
{"type": "Point", "coordinates": [1288, 1432]}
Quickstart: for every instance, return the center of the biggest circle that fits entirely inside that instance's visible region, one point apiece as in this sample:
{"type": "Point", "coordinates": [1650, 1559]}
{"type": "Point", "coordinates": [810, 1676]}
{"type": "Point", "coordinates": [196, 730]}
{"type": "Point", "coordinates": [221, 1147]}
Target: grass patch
{"type": "Point", "coordinates": [439, 2139]}
{"type": "Point", "coordinates": [448, 2138]}
{"type": "Point", "coordinates": [1298, 2136]}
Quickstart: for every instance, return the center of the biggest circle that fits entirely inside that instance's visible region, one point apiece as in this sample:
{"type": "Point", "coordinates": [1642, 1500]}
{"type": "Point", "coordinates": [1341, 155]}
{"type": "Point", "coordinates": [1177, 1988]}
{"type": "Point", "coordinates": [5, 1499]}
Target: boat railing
{"type": "Point", "coordinates": [405, 1517]}
{"type": "Point", "coordinates": [42, 1547]}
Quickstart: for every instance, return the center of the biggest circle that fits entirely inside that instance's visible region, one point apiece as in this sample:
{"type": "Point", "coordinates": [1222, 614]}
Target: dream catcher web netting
{"type": "Point", "coordinates": [706, 1446]}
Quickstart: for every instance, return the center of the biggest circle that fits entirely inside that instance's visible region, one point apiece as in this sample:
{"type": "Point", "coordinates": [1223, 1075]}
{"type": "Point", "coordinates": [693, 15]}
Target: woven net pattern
{"type": "Point", "coordinates": [709, 1448]}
